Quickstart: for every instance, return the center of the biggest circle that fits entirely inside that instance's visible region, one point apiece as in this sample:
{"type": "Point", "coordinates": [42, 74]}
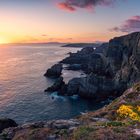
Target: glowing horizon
{"type": "Point", "coordinates": [36, 21]}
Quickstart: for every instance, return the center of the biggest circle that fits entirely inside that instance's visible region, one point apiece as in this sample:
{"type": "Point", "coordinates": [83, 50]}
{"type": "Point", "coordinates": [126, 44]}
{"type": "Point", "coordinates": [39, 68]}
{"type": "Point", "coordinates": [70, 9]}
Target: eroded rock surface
{"type": "Point", "coordinates": [55, 71]}
{"type": "Point", "coordinates": [109, 72]}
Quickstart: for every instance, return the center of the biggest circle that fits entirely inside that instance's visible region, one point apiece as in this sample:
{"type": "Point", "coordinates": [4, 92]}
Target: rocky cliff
{"type": "Point", "coordinates": [109, 72]}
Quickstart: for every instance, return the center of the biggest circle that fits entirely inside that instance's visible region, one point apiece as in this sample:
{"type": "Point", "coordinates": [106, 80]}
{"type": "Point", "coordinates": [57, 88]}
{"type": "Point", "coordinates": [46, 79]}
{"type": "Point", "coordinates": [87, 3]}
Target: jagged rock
{"type": "Point", "coordinates": [59, 86]}
{"type": "Point", "coordinates": [88, 59]}
{"type": "Point", "coordinates": [108, 73]}
{"type": "Point", "coordinates": [123, 55]}
{"type": "Point", "coordinates": [56, 86]}
{"type": "Point", "coordinates": [74, 67]}
{"type": "Point", "coordinates": [6, 123]}
{"type": "Point", "coordinates": [97, 64]}
{"type": "Point", "coordinates": [81, 57]}
{"type": "Point", "coordinates": [55, 71]}
{"type": "Point", "coordinates": [102, 48]}
{"type": "Point", "coordinates": [83, 54]}
{"type": "Point", "coordinates": [92, 86]}
{"type": "Point", "coordinates": [113, 71]}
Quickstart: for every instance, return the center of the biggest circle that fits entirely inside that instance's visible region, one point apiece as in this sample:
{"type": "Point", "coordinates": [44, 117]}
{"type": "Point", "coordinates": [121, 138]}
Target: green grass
{"type": "Point", "coordinates": [83, 132]}
{"type": "Point", "coordinates": [113, 123]}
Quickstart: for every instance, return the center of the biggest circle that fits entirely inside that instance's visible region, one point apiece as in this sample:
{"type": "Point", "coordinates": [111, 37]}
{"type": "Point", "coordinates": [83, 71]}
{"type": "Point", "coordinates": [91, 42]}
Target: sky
{"type": "Point", "coordinates": [26, 21]}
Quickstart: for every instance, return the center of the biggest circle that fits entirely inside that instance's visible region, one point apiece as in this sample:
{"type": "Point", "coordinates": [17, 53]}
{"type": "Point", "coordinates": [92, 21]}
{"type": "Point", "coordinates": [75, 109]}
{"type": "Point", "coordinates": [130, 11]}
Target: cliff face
{"type": "Point", "coordinates": [123, 56]}
{"type": "Point", "coordinates": [109, 72]}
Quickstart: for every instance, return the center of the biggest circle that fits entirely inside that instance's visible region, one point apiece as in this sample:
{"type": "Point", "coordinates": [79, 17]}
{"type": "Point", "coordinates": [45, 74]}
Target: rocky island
{"type": "Point", "coordinates": [111, 73]}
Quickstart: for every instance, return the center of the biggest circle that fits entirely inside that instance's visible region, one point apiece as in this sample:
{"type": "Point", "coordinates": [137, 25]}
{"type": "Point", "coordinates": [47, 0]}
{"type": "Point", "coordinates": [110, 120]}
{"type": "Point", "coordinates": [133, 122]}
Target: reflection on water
{"type": "Point", "coordinates": [22, 85]}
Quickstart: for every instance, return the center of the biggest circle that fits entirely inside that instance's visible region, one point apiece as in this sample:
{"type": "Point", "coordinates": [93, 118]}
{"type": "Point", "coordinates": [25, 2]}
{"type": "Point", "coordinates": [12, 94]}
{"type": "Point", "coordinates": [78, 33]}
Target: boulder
{"type": "Point", "coordinates": [6, 123]}
{"type": "Point", "coordinates": [55, 71]}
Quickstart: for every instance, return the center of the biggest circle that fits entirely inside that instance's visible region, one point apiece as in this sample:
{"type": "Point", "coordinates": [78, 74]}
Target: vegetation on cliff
{"type": "Point", "coordinates": [118, 120]}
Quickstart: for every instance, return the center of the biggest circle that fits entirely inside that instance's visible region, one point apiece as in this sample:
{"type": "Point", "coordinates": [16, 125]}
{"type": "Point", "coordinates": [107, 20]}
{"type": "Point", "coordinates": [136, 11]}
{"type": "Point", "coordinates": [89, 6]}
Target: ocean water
{"type": "Point", "coordinates": [22, 85]}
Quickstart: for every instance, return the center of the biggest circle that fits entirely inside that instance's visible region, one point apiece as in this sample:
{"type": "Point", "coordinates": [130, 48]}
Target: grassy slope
{"type": "Point", "coordinates": [104, 124]}
{"type": "Point", "coordinates": [114, 124]}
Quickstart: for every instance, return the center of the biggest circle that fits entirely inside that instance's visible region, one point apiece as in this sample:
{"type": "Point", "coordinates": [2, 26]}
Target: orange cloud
{"type": "Point", "coordinates": [72, 5]}
{"type": "Point", "coordinates": [65, 6]}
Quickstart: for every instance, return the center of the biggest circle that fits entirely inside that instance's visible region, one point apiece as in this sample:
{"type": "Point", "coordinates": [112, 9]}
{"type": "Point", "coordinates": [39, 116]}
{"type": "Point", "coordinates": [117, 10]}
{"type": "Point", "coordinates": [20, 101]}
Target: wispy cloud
{"type": "Point", "coordinates": [44, 35]}
{"type": "Point", "coordinates": [130, 25]}
{"type": "Point", "coordinates": [66, 7]}
{"type": "Point", "coordinates": [72, 5]}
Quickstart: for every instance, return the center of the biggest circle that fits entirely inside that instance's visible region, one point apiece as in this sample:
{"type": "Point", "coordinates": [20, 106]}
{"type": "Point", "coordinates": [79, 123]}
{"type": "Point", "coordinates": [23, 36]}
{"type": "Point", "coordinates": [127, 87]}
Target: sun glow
{"type": "Point", "coordinates": [3, 40]}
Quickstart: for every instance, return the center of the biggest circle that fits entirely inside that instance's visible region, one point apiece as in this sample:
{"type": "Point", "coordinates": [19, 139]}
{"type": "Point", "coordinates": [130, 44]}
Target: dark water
{"type": "Point", "coordinates": [22, 85]}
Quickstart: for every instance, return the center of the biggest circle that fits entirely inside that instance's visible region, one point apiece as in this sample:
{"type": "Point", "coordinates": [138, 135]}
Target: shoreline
{"type": "Point", "coordinates": [106, 79]}
{"type": "Point", "coordinates": [86, 126]}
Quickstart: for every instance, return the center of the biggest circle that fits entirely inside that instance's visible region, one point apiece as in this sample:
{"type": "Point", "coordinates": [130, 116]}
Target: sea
{"type": "Point", "coordinates": [22, 84]}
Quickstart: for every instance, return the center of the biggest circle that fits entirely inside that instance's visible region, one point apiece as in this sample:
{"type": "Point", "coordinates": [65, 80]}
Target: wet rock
{"type": "Point", "coordinates": [6, 123]}
{"type": "Point", "coordinates": [56, 86]}
{"type": "Point", "coordinates": [55, 71]}
{"type": "Point", "coordinates": [73, 86]}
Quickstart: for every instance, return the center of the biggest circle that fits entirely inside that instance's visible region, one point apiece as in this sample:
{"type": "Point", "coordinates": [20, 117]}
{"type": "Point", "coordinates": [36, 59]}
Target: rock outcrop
{"type": "Point", "coordinates": [81, 57]}
{"type": "Point", "coordinates": [87, 60]}
{"type": "Point", "coordinates": [109, 72]}
{"type": "Point", "coordinates": [51, 130]}
{"type": "Point", "coordinates": [55, 71]}
{"type": "Point", "coordinates": [59, 86]}
{"type": "Point", "coordinates": [94, 86]}
{"type": "Point", "coordinates": [6, 123]}
{"type": "Point", "coordinates": [123, 56]}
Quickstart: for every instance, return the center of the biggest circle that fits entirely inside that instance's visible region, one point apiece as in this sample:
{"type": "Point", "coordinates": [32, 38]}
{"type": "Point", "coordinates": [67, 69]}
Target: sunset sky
{"type": "Point", "coordinates": [23, 21]}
